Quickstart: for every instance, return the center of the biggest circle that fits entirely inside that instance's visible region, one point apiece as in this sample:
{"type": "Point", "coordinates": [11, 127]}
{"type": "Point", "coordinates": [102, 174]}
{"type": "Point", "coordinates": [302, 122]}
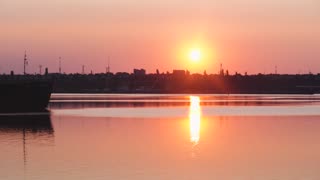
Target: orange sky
{"type": "Point", "coordinates": [244, 35]}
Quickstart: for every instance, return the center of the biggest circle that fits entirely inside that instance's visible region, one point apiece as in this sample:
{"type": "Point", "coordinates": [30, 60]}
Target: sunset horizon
{"type": "Point", "coordinates": [245, 35]}
{"type": "Point", "coordinates": [160, 89]}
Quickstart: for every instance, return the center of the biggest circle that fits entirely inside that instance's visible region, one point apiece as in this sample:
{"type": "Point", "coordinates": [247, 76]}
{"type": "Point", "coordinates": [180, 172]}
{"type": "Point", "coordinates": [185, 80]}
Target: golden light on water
{"type": "Point", "coordinates": [195, 118]}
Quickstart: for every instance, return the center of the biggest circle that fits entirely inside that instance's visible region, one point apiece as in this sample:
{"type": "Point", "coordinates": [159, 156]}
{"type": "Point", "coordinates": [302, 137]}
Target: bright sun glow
{"type": "Point", "coordinates": [195, 55]}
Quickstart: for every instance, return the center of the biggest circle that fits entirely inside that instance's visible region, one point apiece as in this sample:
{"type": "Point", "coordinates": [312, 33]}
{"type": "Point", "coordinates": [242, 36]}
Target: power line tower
{"type": "Point", "coordinates": [40, 69]}
{"type": "Point", "coordinates": [82, 69]}
{"type": "Point", "coordinates": [25, 62]}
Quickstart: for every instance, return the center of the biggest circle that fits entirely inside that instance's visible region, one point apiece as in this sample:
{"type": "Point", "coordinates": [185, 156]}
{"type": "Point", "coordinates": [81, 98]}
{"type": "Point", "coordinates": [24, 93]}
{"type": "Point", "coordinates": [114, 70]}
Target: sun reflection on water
{"type": "Point", "coordinates": [194, 118]}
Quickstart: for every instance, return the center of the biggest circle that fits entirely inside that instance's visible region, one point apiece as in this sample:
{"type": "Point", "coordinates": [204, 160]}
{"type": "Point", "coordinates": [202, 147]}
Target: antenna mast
{"type": "Point", "coordinates": [59, 65]}
{"type": "Point", "coordinates": [25, 62]}
{"type": "Point", "coordinates": [108, 67]}
{"type": "Point", "coordinates": [40, 69]}
{"type": "Point", "coordinates": [221, 70]}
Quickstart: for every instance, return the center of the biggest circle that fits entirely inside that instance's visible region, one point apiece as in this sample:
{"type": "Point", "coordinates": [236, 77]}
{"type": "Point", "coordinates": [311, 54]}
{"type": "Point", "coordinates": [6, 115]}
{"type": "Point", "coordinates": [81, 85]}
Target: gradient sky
{"type": "Point", "coordinates": [243, 35]}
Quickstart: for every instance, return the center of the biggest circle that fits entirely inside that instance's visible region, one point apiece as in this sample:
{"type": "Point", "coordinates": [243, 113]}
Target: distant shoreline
{"type": "Point", "coordinates": [178, 82]}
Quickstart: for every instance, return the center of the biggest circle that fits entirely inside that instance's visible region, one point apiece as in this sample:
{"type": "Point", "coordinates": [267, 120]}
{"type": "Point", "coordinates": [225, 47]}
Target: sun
{"type": "Point", "coordinates": [195, 55]}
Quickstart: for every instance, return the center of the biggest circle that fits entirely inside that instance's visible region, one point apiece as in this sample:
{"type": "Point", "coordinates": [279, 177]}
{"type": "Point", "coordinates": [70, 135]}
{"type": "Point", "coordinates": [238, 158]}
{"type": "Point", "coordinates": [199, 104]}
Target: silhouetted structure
{"type": "Point", "coordinates": [40, 69]}
{"type": "Point", "coordinates": [24, 95]}
{"type": "Point", "coordinates": [179, 81]}
{"type": "Point", "coordinates": [60, 65]}
{"type": "Point", "coordinates": [108, 67]}
{"type": "Point", "coordinates": [178, 73]}
{"type": "Point", "coordinates": [83, 69]}
{"type": "Point", "coordinates": [25, 62]}
{"type": "Point", "coordinates": [139, 72]}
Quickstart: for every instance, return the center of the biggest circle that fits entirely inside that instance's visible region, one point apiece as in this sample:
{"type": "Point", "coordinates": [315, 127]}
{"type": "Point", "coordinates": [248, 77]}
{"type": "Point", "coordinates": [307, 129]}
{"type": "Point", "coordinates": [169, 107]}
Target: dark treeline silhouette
{"type": "Point", "coordinates": [179, 82]}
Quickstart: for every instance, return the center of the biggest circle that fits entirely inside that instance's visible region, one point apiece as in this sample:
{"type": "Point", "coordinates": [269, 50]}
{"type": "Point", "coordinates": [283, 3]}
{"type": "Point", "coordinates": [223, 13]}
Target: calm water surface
{"type": "Point", "coordinates": [225, 137]}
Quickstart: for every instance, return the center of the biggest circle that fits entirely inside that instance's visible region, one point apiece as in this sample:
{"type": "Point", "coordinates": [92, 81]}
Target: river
{"type": "Point", "coordinates": [150, 136]}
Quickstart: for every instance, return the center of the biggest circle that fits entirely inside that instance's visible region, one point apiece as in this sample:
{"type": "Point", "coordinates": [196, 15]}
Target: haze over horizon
{"type": "Point", "coordinates": [244, 35]}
